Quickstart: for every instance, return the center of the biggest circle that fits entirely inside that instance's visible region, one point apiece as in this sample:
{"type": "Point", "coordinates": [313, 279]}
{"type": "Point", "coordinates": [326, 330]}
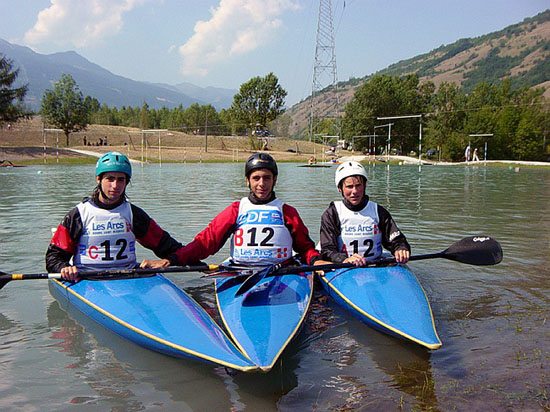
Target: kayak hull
{"type": "Point", "coordinates": [265, 319]}
{"type": "Point", "coordinates": [389, 299]}
{"type": "Point", "coordinates": [154, 313]}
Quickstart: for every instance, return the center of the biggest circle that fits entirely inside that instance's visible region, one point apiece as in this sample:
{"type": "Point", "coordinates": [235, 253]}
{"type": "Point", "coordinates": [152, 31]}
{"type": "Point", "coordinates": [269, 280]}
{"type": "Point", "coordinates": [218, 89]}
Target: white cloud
{"type": "Point", "coordinates": [79, 22]}
{"type": "Point", "coordinates": [235, 28]}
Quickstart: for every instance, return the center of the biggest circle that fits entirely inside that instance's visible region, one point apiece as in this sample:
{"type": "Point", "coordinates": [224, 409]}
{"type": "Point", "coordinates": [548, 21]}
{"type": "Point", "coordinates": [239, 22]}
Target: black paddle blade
{"type": "Point", "coordinates": [254, 279]}
{"type": "Point", "coordinates": [3, 282]}
{"type": "Point", "coordinates": [475, 250]}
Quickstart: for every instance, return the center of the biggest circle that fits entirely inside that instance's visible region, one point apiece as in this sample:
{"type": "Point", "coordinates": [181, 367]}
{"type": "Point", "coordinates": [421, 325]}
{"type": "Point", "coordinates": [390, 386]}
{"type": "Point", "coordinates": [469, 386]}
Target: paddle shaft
{"type": "Point", "coordinates": [5, 277]}
{"type": "Point", "coordinates": [384, 262]}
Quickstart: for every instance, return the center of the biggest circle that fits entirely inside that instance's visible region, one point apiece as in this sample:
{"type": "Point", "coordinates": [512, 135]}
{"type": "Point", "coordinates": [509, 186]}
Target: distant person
{"type": "Point", "coordinates": [467, 153]}
{"type": "Point", "coordinates": [101, 231]}
{"type": "Point", "coordinates": [105, 141]}
{"type": "Point", "coordinates": [354, 229]}
{"type": "Point", "coordinates": [475, 158]}
{"type": "Point", "coordinates": [311, 160]}
{"type": "Point", "coordinates": [84, 140]}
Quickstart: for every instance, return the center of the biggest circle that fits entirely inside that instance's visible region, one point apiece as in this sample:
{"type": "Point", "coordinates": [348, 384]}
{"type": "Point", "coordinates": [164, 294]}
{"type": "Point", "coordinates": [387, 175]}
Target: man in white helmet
{"type": "Point", "coordinates": [354, 229]}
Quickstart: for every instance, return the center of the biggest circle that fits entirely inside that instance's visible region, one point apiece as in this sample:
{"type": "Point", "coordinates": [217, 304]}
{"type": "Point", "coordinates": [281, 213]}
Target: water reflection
{"type": "Point", "coordinates": [346, 380]}
{"type": "Point", "coordinates": [492, 320]}
{"type": "Point", "coordinates": [111, 366]}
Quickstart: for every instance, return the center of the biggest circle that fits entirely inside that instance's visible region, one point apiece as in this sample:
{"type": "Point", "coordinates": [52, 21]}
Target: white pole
{"type": "Point", "coordinates": [420, 144]}
{"type": "Point", "coordinates": [44, 139]}
{"type": "Point", "coordinates": [389, 141]}
{"type": "Point", "coordinates": [483, 135]}
{"type": "Point", "coordinates": [141, 148]}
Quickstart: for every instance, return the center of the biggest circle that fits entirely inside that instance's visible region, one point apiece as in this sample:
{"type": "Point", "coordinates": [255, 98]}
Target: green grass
{"type": "Point", "coordinates": [88, 160]}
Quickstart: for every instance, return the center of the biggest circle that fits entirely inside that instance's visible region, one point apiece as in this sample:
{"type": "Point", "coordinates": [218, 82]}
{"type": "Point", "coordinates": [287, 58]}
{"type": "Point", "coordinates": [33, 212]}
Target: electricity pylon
{"type": "Point", "coordinates": [324, 73]}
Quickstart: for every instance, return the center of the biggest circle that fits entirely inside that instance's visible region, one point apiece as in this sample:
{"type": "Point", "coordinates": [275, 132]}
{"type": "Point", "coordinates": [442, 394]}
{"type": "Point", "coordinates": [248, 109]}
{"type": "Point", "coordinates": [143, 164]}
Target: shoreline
{"type": "Point", "coordinates": [33, 155]}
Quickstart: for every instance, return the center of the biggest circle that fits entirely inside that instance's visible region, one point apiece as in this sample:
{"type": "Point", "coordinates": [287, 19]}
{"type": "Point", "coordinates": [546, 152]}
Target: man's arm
{"type": "Point", "coordinates": [301, 242]}
{"type": "Point", "coordinates": [211, 239]}
{"type": "Point", "coordinates": [330, 230]}
{"type": "Point", "coordinates": [63, 245]}
{"type": "Point", "coordinates": [392, 238]}
{"type": "Point", "coordinates": [149, 234]}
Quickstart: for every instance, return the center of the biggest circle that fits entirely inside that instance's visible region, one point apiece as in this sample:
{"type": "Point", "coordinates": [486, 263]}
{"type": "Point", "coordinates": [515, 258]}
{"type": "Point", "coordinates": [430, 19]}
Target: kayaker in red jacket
{"type": "Point", "coordinates": [101, 231]}
{"type": "Point", "coordinates": [263, 229]}
{"type": "Point", "coordinates": [355, 229]}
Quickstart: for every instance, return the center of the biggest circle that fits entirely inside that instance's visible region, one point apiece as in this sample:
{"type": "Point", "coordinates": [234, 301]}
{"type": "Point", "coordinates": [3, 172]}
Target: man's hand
{"type": "Point", "coordinates": [402, 256]}
{"type": "Point", "coordinates": [321, 262]}
{"type": "Point", "coordinates": [154, 264]}
{"type": "Point", "coordinates": [69, 273]}
{"type": "Point", "coordinates": [356, 259]}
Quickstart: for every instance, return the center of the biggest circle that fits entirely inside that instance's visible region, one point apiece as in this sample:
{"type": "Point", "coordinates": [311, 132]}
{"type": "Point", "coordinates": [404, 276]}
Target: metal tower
{"type": "Point", "coordinates": [324, 72]}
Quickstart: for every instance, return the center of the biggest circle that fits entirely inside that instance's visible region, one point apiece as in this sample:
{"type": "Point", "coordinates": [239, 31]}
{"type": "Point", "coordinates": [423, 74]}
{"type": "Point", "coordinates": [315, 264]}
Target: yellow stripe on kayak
{"type": "Point", "coordinates": [163, 341]}
{"type": "Point", "coordinates": [237, 343]}
{"type": "Point", "coordinates": [396, 331]}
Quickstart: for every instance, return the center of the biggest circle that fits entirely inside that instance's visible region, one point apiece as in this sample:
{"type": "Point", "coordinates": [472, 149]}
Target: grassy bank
{"type": "Point", "coordinates": [23, 142]}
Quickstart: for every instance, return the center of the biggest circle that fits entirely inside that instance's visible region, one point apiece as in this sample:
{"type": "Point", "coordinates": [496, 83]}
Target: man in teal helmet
{"type": "Point", "coordinates": [113, 173]}
{"type": "Point", "coordinates": [101, 231]}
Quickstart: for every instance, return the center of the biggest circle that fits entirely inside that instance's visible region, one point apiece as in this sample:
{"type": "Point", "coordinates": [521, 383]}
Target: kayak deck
{"type": "Point", "coordinates": [264, 320]}
{"type": "Point", "coordinates": [389, 299]}
{"type": "Point", "coordinates": [154, 313]}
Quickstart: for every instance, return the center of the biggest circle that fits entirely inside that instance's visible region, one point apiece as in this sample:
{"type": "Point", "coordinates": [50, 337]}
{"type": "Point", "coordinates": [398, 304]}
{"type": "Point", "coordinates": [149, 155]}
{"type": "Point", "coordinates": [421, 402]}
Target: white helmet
{"type": "Point", "coordinates": [348, 169]}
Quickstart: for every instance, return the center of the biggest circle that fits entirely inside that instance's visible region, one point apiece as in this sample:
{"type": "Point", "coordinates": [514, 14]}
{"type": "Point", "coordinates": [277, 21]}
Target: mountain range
{"type": "Point", "coordinates": [520, 52]}
{"type": "Point", "coordinates": [41, 71]}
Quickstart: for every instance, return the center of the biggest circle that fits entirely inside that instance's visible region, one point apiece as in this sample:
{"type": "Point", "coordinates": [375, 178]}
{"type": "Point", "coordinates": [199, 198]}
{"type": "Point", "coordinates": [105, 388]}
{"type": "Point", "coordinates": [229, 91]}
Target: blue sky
{"type": "Point", "coordinates": [224, 43]}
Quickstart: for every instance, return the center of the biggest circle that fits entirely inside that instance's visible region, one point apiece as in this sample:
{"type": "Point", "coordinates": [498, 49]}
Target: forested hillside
{"type": "Point", "coordinates": [519, 53]}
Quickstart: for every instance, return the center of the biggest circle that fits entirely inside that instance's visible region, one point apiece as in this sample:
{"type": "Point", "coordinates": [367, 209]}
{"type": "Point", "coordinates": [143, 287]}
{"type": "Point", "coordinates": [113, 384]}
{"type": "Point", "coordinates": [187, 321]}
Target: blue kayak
{"type": "Point", "coordinates": [264, 320]}
{"type": "Point", "coordinates": [154, 313]}
{"type": "Point", "coordinates": [389, 299]}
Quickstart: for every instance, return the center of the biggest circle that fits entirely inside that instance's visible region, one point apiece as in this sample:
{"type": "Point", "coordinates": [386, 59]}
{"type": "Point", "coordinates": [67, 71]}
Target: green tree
{"type": "Point", "coordinates": [259, 101]}
{"type": "Point", "coordinates": [65, 107]}
{"type": "Point", "coordinates": [229, 122]}
{"type": "Point", "coordinates": [444, 129]}
{"type": "Point", "coordinates": [192, 117]}
{"type": "Point", "coordinates": [384, 96]}
{"type": "Point", "coordinates": [144, 117]}
{"type": "Point", "coordinates": [11, 99]}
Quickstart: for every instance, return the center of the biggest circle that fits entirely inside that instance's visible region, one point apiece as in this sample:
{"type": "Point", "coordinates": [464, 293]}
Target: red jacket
{"type": "Point", "coordinates": [214, 236]}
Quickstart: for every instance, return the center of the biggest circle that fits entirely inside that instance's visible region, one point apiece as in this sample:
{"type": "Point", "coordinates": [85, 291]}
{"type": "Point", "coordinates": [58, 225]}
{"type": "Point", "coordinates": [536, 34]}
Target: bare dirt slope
{"type": "Point", "coordinates": [24, 141]}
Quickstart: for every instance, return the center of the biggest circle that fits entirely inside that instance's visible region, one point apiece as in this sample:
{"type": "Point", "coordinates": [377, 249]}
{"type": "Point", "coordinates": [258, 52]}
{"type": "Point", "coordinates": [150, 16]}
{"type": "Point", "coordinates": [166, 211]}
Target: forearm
{"type": "Point", "coordinates": [301, 240]}
{"type": "Point", "coordinates": [392, 238]}
{"type": "Point", "coordinates": [211, 239]}
{"type": "Point", "coordinates": [56, 259]}
{"type": "Point", "coordinates": [330, 231]}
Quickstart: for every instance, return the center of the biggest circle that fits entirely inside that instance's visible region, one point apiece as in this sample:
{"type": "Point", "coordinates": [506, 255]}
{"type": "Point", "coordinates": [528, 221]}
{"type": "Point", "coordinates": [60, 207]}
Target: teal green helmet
{"type": "Point", "coordinates": [113, 162]}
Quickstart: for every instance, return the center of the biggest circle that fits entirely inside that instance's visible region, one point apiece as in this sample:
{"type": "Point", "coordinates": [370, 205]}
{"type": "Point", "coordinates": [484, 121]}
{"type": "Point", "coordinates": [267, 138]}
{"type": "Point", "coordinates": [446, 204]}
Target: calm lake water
{"type": "Point", "coordinates": [493, 321]}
